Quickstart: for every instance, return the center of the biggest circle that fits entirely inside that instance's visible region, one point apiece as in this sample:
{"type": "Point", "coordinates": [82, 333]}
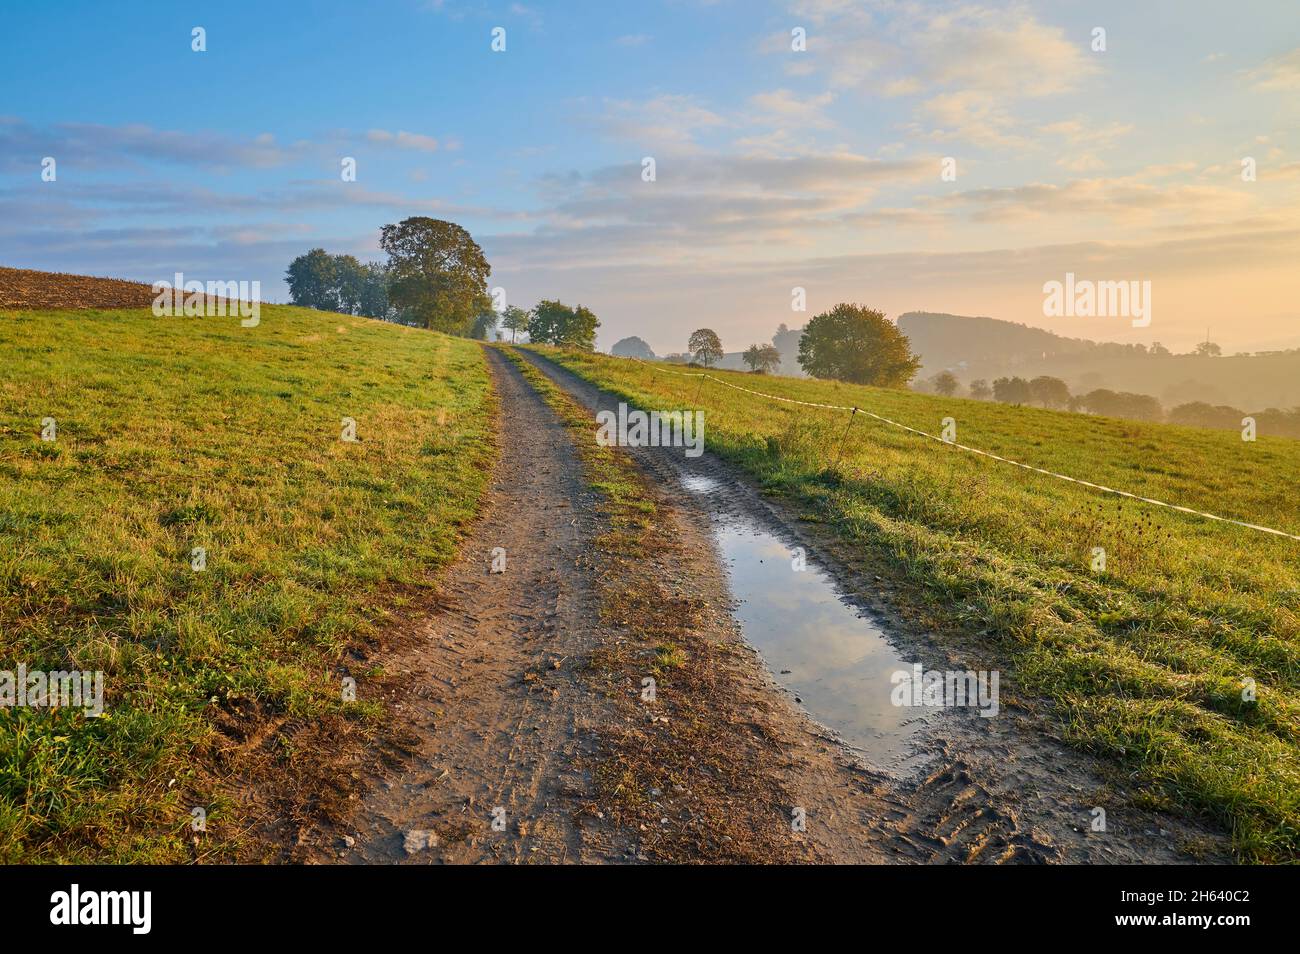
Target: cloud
{"type": "Point", "coordinates": [1279, 74]}
{"type": "Point", "coordinates": [1113, 199]}
{"type": "Point", "coordinates": [669, 123]}
{"type": "Point", "coordinates": [90, 145]}
{"type": "Point", "coordinates": [402, 140]}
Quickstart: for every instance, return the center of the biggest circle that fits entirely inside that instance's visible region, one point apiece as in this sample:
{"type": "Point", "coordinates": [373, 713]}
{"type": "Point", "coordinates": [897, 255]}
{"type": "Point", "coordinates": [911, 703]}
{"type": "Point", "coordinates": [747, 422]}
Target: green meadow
{"type": "Point", "coordinates": [1151, 662]}
{"type": "Point", "coordinates": [179, 435]}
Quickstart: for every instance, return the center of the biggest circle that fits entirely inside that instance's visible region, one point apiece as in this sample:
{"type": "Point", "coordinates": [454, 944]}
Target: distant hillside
{"type": "Point", "coordinates": [989, 348]}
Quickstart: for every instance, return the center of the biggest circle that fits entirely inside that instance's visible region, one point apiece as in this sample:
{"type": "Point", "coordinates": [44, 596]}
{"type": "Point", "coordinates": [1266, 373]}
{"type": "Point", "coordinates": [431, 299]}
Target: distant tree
{"type": "Point", "coordinates": [1141, 407]}
{"type": "Point", "coordinates": [1201, 414]}
{"type": "Point", "coordinates": [437, 272]}
{"type": "Point", "coordinates": [632, 347]}
{"type": "Point", "coordinates": [945, 383]}
{"type": "Point", "coordinates": [1012, 391]}
{"type": "Point", "coordinates": [1049, 391]}
{"type": "Point", "coordinates": [1159, 351]}
{"type": "Point", "coordinates": [705, 345]}
{"type": "Point", "coordinates": [553, 322]}
{"type": "Point", "coordinates": [514, 319]}
{"type": "Point", "coordinates": [485, 325]}
{"type": "Point", "coordinates": [980, 390]}
{"type": "Point", "coordinates": [762, 358]}
{"type": "Point", "coordinates": [857, 344]}
{"type": "Point", "coordinates": [313, 281]}
{"type": "Point", "coordinates": [1208, 349]}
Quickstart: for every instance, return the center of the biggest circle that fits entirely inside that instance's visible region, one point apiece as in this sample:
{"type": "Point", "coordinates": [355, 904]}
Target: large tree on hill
{"type": "Point", "coordinates": [705, 345]}
{"type": "Point", "coordinates": [857, 344]}
{"type": "Point", "coordinates": [554, 322]}
{"type": "Point", "coordinates": [313, 280]}
{"type": "Point", "coordinates": [437, 273]}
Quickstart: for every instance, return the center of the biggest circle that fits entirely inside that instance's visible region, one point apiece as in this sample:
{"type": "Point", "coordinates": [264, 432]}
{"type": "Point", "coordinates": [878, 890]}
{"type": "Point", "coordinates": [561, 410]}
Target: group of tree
{"type": "Point", "coordinates": [436, 278]}
{"type": "Point", "coordinates": [555, 323]}
{"type": "Point", "coordinates": [848, 343]}
{"type": "Point", "coordinates": [340, 283]}
{"type": "Point", "coordinates": [762, 359]}
{"type": "Point", "coordinates": [1221, 416]}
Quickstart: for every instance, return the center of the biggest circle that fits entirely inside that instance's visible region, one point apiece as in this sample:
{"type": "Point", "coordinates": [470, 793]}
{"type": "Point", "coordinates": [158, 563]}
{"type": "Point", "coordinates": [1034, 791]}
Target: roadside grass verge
{"type": "Point", "coordinates": [1151, 661]}
{"type": "Point", "coordinates": [182, 433]}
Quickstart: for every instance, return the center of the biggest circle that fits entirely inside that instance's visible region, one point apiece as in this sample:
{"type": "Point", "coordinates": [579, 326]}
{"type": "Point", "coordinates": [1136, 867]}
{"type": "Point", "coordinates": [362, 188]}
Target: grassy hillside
{"type": "Point", "coordinates": [1144, 662]}
{"type": "Point", "coordinates": [177, 433]}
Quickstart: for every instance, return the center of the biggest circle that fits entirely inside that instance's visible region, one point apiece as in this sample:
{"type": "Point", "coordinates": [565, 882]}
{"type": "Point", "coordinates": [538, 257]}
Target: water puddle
{"type": "Point", "coordinates": [837, 662]}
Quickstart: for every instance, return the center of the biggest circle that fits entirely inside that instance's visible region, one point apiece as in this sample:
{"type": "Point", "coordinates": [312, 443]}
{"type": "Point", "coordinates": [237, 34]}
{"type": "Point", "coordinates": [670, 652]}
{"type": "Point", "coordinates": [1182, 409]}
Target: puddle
{"type": "Point", "coordinates": [835, 661]}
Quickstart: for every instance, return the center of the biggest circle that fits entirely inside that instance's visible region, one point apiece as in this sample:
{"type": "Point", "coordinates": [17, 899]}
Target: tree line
{"type": "Point", "coordinates": [435, 278]}
{"type": "Point", "coordinates": [1053, 393]}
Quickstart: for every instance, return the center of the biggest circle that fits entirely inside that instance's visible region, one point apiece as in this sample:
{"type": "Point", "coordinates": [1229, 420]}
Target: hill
{"type": "Point", "coordinates": [179, 511]}
{"type": "Point", "coordinates": [989, 348]}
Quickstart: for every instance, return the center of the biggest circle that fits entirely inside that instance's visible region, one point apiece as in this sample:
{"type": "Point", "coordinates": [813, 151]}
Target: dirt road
{"type": "Point", "coordinates": [516, 718]}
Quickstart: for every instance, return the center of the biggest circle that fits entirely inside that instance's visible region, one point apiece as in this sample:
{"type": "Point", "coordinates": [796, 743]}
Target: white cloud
{"type": "Point", "coordinates": [403, 140]}
{"type": "Point", "coordinates": [1279, 74]}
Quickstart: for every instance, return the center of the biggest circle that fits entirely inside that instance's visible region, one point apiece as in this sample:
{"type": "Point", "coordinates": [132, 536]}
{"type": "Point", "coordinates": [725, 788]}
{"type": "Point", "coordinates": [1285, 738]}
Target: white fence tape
{"type": "Point", "coordinates": [982, 453]}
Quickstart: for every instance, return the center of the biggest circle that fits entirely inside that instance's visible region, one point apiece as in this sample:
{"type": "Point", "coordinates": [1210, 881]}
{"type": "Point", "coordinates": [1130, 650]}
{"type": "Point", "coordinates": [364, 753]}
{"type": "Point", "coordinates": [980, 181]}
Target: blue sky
{"type": "Point", "coordinates": [775, 168]}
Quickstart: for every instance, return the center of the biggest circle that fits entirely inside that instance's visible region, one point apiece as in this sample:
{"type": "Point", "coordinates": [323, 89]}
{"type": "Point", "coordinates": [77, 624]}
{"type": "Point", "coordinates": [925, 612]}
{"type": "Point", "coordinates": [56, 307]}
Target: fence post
{"type": "Point", "coordinates": [845, 437]}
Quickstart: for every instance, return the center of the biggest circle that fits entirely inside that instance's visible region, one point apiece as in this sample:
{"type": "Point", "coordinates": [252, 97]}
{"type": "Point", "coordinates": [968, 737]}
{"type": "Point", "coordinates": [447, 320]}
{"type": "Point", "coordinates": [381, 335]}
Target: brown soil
{"type": "Point", "coordinates": [22, 289]}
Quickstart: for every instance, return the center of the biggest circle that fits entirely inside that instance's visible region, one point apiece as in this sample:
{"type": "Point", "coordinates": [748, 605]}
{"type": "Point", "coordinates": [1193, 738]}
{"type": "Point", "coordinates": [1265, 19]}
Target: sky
{"type": "Point", "coordinates": [777, 164]}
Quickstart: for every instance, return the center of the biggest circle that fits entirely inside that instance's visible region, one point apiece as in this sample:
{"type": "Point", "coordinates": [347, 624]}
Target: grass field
{"type": "Point", "coordinates": [183, 433]}
{"type": "Point", "coordinates": [1144, 662]}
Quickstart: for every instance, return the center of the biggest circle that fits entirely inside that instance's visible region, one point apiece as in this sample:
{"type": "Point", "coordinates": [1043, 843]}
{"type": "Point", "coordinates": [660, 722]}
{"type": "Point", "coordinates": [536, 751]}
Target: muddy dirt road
{"type": "Point", "coordinates": [508, 733]}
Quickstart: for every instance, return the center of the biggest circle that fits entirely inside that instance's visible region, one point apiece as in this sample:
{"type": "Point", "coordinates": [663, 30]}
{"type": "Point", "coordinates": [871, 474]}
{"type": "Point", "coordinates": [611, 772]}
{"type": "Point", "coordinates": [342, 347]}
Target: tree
{"type": "Point", "coordinates": [762, 359]}
{"type": "Point", "coordinates": [339, 283]}
{"type": "Point", "coordinates": [1142, 407]}
{"type": "Point", "coordinates": [945, 383]}
{"type": "Point", "coordinates": [1201, 414]}
{"type": "Point", "coordinates": [632, 347]}
{"type": "Point", "coordinates": [857, 344]}
{"type": "Point", "coordinates": [553, 322]}
{"type": "Point", "coordinates": [980, 390]}
{"type": "Point", "coordinates": [313, 280]}
{"type": "Point", "coordinates": [437, 272]}
{"type": "Point", "coordinates": [705, 345]}
{"type": "Point", "coordinates": [372, 300]}
{"type": "Point", "coordinates": [1158, 350]}
{"type": "Point", "coordinates": [514, 319]}
{"type": "Point", "coordinates": [1049, 391]}
{"type": "Point", "coordinates": [485, 325]}
{"type": "Point", "coordinates": [1208, 349]}
{"type": "Point", "coordinates": [1012, 391]}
